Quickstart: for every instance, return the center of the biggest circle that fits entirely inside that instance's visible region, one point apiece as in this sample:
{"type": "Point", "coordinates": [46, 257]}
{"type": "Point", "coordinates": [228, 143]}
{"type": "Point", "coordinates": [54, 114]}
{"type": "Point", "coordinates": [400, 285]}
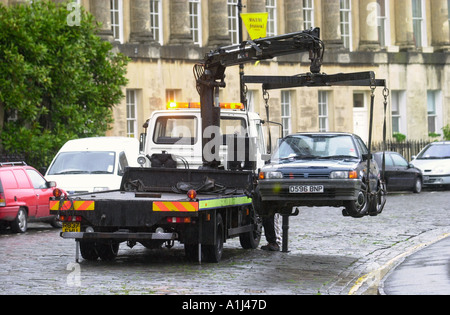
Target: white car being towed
{"type": "Point", "coordinates": [434, 162]}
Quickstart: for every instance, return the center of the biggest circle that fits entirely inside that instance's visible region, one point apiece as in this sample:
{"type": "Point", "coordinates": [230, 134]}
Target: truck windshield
{"type": "Point", "coordinates": [175, 130]}
{"type": "Point", "coordinates": [85, 162]}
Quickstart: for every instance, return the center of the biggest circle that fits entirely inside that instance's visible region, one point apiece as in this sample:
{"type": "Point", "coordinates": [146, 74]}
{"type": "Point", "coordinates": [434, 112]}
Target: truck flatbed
{"type": "Point", "coordinates": [152, 209]}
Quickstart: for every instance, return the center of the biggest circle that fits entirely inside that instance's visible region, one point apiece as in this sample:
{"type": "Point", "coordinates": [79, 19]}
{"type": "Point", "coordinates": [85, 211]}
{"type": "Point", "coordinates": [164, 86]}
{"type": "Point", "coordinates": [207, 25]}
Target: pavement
{"type": "Point", "coordinates": [424, 270]}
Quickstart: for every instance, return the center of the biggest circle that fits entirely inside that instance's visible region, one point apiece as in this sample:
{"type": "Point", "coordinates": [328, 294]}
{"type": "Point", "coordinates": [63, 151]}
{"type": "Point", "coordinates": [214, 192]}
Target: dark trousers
{"type": "Point", "coordinates": [269, 229]}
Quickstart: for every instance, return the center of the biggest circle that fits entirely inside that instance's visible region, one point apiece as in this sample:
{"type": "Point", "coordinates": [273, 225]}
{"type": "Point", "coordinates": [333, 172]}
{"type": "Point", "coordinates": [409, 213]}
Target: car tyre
{"type": "Point", "coordinates": [20, 224]}
{"type": "Point", "coordinates": [417, 185]}
{"type": "Point", "coordinates": [358, 208]}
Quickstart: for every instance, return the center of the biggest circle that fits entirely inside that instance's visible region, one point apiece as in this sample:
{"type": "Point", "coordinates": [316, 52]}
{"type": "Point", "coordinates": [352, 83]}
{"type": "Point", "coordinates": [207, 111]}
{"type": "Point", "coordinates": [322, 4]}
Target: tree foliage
{"type": "Point", "coordinates": [60, 81]}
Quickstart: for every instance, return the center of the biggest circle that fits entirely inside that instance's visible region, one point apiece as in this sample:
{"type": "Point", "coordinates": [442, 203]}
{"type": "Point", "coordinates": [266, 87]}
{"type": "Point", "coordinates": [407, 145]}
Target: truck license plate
{"type": "Point", "coordinates": [306, 189]}
{"type": "Point", "coordinates": [71, 227]}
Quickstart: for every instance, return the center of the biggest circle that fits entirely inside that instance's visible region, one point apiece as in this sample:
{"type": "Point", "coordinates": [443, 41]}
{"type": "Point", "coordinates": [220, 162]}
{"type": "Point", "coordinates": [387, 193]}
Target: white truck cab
{"type": "Point", "coordinates": [177, 131]}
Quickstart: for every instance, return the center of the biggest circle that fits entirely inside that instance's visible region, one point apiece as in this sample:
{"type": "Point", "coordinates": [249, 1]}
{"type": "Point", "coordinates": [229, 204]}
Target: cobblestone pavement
{"type": "Point", "coordinates": [329, 254]}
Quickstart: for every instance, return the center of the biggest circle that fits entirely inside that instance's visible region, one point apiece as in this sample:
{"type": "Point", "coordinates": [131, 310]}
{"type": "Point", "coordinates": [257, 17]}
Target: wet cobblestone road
{"type": "Point", "coordinates": [329, 254]}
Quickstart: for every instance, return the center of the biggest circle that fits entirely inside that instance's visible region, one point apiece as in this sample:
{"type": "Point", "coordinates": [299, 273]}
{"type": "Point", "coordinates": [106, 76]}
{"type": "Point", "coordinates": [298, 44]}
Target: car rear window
{"type": "Point", "coordinates": [8, 180]}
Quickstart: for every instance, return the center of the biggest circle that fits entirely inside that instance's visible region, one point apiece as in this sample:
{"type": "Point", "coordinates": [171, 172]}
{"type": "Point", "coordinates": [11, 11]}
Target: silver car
{"type": "Point", "coordinates": [434, 162]}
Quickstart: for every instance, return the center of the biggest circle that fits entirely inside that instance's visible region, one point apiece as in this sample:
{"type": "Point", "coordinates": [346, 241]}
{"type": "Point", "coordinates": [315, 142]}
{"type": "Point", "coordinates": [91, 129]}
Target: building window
{"type": "Point", "coordinates": [308, 14]}
{"type": "Point", "coordinates": [117, 20]}
{"type": "Point", "coordinates": [233, 21]}
{"type": "Point", "coordinates": [286, 112]}
{"type": "Point", "coordinates": [195, 12]}
{"type": "Point", "coordinates": [156, 20]}
{"type": "Point", "coordinates": [346, 23]}
{"type": "Point", "coordinates": [398, 111]}
{"type": "Point", "coordinates": [131, 114]}
{"type": "Point", "coordinates": [419, 28]}
{"type": "Point", "coordinates": [323, 111]}
{"type": "Point", "coordinates": [434, 107]}
{"type": "Point", "coordinates": [271, 8]}
{"type": "Point", "coordinates": [383, 22]}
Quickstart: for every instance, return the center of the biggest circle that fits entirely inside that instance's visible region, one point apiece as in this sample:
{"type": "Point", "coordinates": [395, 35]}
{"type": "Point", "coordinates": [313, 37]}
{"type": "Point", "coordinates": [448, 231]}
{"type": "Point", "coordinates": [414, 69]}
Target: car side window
{"type": "Point", "coordinates": [399, 161]}
{"type": "Point", "coordinates": [361, 146]}
{"type": "Point", "coordinates": [38, 181]}
{"type": "Point", "coordinates": [388, 160]}
{"type": "Point", "coordinates": [123, 162]}
{"type": "Point", "coordinates": [22, 179]}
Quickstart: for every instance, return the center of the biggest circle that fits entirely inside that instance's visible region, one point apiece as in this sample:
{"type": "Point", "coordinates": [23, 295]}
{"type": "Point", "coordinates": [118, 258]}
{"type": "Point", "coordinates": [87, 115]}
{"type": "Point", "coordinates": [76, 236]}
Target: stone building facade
{"type": "Point", "coordinates": [405, 42]}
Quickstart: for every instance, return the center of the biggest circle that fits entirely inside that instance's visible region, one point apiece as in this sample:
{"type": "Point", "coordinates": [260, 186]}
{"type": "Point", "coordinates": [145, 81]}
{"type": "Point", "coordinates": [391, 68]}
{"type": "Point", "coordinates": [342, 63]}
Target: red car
{"type": "Point", "coordinates": [24, 197]}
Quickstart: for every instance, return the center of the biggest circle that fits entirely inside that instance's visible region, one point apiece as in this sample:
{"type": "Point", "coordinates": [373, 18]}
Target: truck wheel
{"type": "Point", "coordinates": [88, 250]}
{"type": "Point", "coordinates": [213, 253]}
{"type": "Point", "coordinates": [108, 250]}
{"type": "Point", "coordinates": [250, 240]}
{"type": "Point", "coordinates": [20, 223]}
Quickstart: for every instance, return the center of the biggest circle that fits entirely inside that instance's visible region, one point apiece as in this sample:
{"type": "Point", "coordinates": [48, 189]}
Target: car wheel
{"type": "Point", "coordinates": [377, 202]}
{"type": "Point", "coordinates": [358, 208]}
{"type": "Point", "coordinates": [20, 224]}
{"type": "Point", "coordinates": [417, 185]}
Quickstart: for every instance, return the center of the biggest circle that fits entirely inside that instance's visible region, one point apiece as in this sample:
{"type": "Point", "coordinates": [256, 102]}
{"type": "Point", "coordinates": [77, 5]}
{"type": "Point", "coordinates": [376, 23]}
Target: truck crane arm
{"type": "Point", "coordinates": [210, 74]}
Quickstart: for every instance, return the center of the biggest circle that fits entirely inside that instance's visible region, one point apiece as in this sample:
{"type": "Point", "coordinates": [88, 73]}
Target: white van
{"type": "Point", "coordinates": [93, 164]}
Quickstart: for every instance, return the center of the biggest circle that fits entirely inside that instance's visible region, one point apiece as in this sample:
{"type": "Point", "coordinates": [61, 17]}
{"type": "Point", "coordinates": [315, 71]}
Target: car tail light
{"type": "Point", "coordinates": [2, 200]}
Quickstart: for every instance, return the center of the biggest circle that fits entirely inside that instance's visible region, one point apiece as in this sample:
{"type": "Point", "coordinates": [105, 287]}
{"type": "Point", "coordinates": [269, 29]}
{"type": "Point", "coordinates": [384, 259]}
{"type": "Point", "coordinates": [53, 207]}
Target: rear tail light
{"type": "Point", "coordinates": [70, 218]}
{"type": "Point", "coordinates": [2, 200]}
{"type": "Point", "coordinates": [178, 219]}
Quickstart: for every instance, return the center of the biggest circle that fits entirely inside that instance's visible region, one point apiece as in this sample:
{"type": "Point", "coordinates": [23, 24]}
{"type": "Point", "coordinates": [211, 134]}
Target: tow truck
{"type": "Point", "coordinates": [168, 199]}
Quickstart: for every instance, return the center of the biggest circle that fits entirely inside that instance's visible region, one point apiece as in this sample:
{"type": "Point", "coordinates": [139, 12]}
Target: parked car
{"type": "Point", "coordinates": [24, 197]}
{"type": "Point", "coordinates": [434, 162]}
{"type": "Point", "coordinates": [399, 174]}
{"type": "Point", "coordinates": [93, 164]}
{"type": "Point", "coordinates": [320, 169]}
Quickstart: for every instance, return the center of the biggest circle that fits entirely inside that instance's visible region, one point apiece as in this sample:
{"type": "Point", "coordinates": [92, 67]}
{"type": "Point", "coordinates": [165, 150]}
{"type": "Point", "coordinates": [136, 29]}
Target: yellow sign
{"type": "Point", "coordinates": [256, 24]}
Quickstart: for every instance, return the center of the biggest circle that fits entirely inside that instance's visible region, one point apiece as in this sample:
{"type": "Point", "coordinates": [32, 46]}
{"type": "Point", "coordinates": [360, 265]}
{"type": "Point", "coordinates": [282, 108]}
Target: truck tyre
{"type": "Point", "coordinates": [213, 253]}
{"type": "Point", "coordinates": [108, 250]}
{"type": "Point", "coordinates": [88, 250]}
{"type": "Point", "coordinates": [250, 240]}
{"type": "Point", "coordinates": [20, 223]}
